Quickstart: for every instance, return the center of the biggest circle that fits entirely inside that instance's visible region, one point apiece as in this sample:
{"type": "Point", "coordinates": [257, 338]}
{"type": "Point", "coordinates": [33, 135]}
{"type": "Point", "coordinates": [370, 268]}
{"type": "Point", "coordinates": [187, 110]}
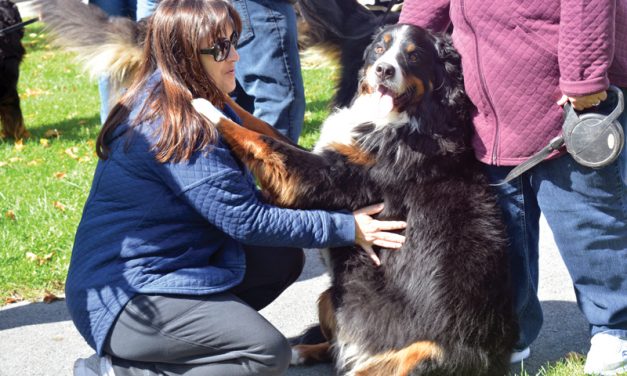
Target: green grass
{"type": "Point", "coordinates": [44, 182]}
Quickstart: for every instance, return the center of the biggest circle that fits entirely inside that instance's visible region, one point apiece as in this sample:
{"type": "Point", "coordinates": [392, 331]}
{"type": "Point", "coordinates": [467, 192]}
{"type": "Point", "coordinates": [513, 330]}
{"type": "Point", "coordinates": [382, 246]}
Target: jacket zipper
{"type": "Point", "coordinates": [484, 86]}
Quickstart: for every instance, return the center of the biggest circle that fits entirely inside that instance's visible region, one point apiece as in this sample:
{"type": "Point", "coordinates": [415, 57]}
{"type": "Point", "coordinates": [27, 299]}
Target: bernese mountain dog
{"type": "Point", "coordinates": [441, 304]}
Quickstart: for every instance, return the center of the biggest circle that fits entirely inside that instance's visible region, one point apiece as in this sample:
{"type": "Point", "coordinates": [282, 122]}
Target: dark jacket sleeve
{"type": "Point", "coordinates": [586, 45]}
{"type": "Point", "coordinates": [219, 190]}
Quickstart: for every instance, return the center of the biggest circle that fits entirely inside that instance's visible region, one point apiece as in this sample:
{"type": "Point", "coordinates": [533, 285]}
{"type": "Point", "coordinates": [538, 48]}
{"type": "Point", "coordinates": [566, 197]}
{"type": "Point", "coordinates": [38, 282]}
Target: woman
{"type": "Point", "coordinates": [176, 252]}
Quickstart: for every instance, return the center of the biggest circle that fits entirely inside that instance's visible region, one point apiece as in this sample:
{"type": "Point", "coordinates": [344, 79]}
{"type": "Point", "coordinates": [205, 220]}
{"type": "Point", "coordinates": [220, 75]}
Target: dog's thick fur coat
{"type": "Point", "coordinates": [441, 304]}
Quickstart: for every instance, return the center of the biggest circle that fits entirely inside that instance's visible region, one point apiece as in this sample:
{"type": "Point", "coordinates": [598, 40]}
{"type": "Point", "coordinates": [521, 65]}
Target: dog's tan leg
{"type": "Point", "coordinates": [320, 352]}
{"type": "Point", "coordinates": [254, 150]}
{"type": "Point", "coordinates": [401, 362]}
{"type": "Point", "coordinates": [253, 123]}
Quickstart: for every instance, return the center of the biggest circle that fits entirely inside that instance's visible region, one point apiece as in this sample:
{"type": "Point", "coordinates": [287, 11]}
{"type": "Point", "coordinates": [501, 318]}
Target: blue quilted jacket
{"type": "Point", "coordinates": [174, 228]}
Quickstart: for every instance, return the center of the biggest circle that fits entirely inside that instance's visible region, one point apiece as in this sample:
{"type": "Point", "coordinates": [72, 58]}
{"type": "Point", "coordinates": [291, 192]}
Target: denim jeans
{"type": "Point", "coordinates": [134, 9]}
{"type": "Point", "coordinates": [587, 211]}
{"type": "Point", "coordinates": [270, 83]}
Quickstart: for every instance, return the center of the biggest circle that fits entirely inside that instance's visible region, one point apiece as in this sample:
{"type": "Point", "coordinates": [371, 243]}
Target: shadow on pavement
{"type": "Point", "coordinates": [24, 314]}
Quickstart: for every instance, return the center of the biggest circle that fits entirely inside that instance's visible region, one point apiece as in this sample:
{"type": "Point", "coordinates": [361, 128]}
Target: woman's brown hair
{"type": "Point", "coordinates": [174, 36]}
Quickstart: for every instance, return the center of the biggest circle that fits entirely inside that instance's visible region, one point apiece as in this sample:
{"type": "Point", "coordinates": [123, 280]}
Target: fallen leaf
{"type": "Point", "coordinates": [58, 205]}
{"type": "Point", "coordinates": [10, 300]}
{"type": "Point", "coordinates": [34, 92]}
{"type": "Point", "coordinates": [34, 162]}
{"type": "Point", "coordinates": [52, 133]}
{"type": "Point", "coordinates": [15, 159]}
{"type": "Point", "coordinates": [49, 297]}
{"type": "Point", "coordinates": [19, 145]}
{"type": "Point", "coordinates": [71, 152]}
{"type": "Point", "coordinates": [10, 214]}
{"type": "Point", "coordinates": [85, 158]}
{"type": "Point", "coordinates": [44, 142]}
{"type": "Point", "coordinates": [30, 256]}
{"type": "Point", "coordinates": [59, 175]}
{"type": "Point", "coordinates": [2, 164]}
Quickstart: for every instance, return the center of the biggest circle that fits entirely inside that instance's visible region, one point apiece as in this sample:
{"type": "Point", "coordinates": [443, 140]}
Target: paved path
{"type": "Point", "coordinates": [39, 339]}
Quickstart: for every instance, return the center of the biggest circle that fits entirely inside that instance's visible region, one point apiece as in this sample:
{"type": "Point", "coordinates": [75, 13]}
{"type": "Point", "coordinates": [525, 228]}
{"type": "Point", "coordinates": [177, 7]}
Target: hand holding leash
{"type": "Point", "coordinates": [583, 102]}
{"type": "Point", "coordinates": [369, 231]}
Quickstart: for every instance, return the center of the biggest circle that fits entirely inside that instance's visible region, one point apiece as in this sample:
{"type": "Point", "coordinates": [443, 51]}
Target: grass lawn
{"type": "Point", "coordinates": [44, 180]}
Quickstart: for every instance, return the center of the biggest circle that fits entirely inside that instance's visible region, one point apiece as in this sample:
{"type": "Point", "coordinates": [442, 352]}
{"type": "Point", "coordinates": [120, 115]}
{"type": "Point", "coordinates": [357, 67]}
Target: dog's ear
{"type": "Point", "coordinates": [450, 107]}
{"type": "Point", "coordinates": [449, 78]}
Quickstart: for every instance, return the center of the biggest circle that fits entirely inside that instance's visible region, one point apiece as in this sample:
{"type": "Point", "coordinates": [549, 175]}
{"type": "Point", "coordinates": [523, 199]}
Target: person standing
{"type": "Point", "coordinates": [521, 61]}
{"type": "Point", "coordinates": [270, 82]}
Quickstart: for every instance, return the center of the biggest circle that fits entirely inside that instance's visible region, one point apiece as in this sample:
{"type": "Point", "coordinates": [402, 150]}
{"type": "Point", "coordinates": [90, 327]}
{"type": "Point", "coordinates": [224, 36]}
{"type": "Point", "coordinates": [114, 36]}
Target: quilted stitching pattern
{"type": "Point", "coordinates": [526, 50]}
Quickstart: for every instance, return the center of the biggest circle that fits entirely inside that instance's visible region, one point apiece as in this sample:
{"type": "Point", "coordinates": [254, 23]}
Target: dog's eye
{"type": "Point", "coordinates": [379, 49]}
{"type": "Point", "coordinates": [413, 57]}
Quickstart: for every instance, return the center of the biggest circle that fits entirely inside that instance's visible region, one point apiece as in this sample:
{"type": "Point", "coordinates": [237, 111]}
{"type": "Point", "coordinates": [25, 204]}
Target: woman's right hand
{"type": "Point", "coordinates": [369, 231]}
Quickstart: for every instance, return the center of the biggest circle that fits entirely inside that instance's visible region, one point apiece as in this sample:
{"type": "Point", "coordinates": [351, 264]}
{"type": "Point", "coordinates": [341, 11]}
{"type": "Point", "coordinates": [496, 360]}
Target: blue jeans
{"type": "Point", "coordinates": [587, 212]}
{"type": "Point", "coordinates": [270, 83]}
{"type": "Point", "coordinates": [134, 9]}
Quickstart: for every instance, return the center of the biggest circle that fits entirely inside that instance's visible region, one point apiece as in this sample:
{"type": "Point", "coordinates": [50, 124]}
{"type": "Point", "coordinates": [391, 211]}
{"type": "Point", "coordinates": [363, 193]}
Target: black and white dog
{"type": "Point", "coordinates": [441, 304]}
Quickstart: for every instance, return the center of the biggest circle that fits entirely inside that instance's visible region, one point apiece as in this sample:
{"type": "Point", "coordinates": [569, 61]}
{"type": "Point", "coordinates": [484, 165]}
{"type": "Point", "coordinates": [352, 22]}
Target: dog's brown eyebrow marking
{"type": "Point", "coordinates": [410, 47]}
{"type": "Point", "coordinates": [387, 38]}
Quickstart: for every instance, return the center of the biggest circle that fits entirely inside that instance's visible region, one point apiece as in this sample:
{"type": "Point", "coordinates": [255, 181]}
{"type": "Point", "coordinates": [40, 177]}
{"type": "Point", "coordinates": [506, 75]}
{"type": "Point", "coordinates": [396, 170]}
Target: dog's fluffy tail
{"type": "Point", "coordinates": [103, 44]}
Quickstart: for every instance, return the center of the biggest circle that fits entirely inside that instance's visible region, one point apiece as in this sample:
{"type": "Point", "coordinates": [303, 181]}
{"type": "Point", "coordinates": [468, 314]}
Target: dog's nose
{"type": "Point", "coordinates": [384, 70]}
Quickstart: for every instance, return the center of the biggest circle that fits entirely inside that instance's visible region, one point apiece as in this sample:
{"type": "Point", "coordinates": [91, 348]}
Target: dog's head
{"type": "Point", "coordinates": [414, 71]}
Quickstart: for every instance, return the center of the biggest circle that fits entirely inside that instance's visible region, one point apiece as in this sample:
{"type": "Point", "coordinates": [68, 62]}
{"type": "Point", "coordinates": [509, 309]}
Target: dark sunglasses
{"type": "Point", "coordinates": [221, 49]}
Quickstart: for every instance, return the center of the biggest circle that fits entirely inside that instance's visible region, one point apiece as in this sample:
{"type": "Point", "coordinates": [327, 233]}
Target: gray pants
{"type": "Point", "coordinates": [220, 334]}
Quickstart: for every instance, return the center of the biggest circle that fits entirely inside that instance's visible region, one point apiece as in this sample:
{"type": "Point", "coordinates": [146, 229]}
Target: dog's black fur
{"type": "Point", "coordinates": [447, 289]}
{"type": "Point", "coordinates": [11, 54]}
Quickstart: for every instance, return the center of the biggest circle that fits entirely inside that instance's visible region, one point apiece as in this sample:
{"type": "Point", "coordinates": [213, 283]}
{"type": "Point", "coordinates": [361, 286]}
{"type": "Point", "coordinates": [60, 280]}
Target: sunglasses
{"type": "Point", "coordinates": [221, 49]}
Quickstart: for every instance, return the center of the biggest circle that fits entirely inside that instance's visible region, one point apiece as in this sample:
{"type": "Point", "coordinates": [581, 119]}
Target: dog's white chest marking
{"type": "Point", "coordinates": [339, 126]}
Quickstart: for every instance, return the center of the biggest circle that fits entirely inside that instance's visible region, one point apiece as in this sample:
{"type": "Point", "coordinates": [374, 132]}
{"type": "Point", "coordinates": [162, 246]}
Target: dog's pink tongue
{"type": "Point", "coordinates": [385, 104]}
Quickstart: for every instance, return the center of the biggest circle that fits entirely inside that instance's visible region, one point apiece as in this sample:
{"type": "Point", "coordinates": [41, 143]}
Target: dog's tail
{"type": "Point", "coordinates": [342, 29]}
{"type": "Point", "coordinates": [103, 44]}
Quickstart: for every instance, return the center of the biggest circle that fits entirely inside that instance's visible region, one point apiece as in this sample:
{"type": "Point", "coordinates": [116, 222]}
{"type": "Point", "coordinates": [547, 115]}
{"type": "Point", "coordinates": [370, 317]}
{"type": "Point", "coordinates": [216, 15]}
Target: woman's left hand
{"type": "Point", "coordinates": [369, 231]}
{"type": "Point", "coordinates": [585, 101]}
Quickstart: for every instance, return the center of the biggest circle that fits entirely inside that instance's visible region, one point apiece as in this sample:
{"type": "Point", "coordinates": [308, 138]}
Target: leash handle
{"type": "Point", "coordinates": [553, 145]}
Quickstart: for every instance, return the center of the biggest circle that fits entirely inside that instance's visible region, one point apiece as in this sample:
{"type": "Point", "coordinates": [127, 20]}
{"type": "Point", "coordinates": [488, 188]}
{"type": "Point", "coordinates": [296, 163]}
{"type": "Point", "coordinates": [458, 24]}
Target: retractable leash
{"type": "Point", "coordinates": [592, 139]}
{"type": "Point", "coordinates": [17, 26]}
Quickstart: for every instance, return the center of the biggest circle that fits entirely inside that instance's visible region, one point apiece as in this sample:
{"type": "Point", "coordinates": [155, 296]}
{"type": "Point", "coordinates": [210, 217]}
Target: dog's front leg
{"type": "Point", "coordinates": [266, 157]}
{"type": "Point", "coordinates": [319, 352]}
{"type": "Point", "coordinates": [253, 123]}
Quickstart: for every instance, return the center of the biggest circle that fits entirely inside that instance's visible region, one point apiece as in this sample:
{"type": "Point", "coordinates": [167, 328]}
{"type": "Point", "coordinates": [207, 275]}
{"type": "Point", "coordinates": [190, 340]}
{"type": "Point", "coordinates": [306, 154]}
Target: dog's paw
{"type": "Point", "coordinates": [208, 110]}
{"type": "Point", "coordinates": [297, 358]}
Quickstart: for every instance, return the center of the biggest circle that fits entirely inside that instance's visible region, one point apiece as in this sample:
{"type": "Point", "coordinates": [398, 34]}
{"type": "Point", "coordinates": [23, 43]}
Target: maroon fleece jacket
{"type": "Point", "coordinates": [519, 57]}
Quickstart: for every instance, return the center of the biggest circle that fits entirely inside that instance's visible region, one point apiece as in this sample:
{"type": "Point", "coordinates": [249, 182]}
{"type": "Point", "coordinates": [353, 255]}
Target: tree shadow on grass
{"type": "Point", "coordinates": [73, 129]}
